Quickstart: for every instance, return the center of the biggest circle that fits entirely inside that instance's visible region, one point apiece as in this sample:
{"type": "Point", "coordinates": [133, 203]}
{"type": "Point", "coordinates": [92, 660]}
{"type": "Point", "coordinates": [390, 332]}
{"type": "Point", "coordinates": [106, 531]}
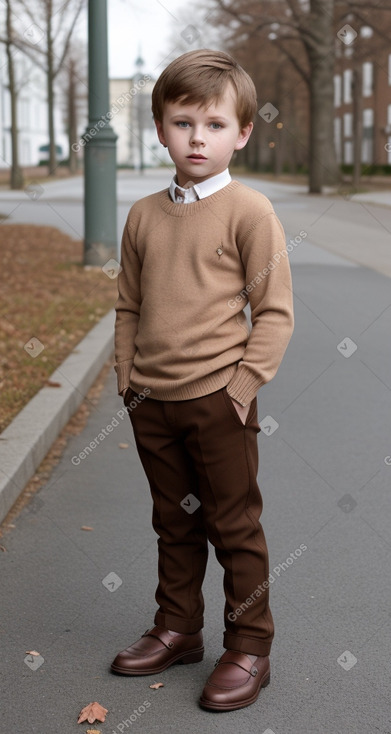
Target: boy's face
{"type": "Point", "coordinates": [201, 141]}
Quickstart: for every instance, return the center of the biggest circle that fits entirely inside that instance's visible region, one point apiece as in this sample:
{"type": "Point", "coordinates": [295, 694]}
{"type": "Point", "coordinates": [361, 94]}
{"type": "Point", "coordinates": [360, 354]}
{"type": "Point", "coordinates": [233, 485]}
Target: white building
{"type": "Point", "coordinates": [130, 102]}
{"type": "Point", "coordinates": [32, 108]}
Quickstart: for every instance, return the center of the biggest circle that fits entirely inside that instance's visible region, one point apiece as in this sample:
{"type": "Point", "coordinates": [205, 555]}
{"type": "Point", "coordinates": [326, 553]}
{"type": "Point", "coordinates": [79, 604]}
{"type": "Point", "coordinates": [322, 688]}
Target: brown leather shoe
{"type": "Point", "coordinates": [235, 682]}
{"type": "Point", "coordinates": [157, 649]}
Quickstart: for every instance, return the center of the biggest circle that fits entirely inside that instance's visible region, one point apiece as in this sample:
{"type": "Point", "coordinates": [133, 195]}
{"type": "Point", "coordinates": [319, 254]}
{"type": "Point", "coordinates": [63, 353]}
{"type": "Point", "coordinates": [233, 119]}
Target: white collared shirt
{"type": "Point", "coordinates": [199, 191]}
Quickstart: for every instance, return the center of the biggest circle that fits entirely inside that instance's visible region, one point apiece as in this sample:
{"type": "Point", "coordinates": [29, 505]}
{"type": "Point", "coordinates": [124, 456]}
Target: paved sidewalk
{"type": "Point", "coordinates": [77, 597]}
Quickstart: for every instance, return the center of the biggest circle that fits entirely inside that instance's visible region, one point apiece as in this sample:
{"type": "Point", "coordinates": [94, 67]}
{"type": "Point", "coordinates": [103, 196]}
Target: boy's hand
{"type": "Point", "coordinates": [242, 410]}
{"type": "Point", "coordinates": [123, 393]}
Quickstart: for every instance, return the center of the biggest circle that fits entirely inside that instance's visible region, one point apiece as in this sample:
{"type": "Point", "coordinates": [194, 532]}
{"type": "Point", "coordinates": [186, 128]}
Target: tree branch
{"type": "Point", "coordinates": [29, 11]}
{"type": "Point", "coordinates": [295, 8]}
{"type": "Point", "coordinates": [68, 37]}
{"type": "Point", "coordinates": [303, 73]}
{"type": "Point", "coordinates": [365, 6]}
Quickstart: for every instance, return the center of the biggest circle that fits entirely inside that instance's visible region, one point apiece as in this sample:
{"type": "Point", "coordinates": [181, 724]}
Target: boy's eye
{"type": "Point", "coordinates": [182, 123]}
{"type": "Point", "coordinates": [215, 125]}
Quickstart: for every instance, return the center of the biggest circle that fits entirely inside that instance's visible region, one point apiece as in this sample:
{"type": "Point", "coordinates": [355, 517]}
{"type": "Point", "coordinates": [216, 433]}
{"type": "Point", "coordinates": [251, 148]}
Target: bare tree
{"type": "Point", "coordinates": [313, 25]}
{"type": "Point", "coordinates": [47, 42]}
{"type": "Point", "coordinates": [16, 177]}
{"type": "Point", "coordinates": [373, 28]}
{"type": "Point", "coordinates": [286, 22]}
{"type": "Point", "coordinates": [286, 86]}
{"type": "Point", "coordinates": [73, 86]}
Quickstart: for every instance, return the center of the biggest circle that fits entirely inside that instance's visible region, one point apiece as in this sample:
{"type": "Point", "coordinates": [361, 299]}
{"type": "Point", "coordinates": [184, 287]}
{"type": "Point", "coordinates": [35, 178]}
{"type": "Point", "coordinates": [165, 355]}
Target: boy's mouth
{"type": "Point", "coordinates": [197, 157]}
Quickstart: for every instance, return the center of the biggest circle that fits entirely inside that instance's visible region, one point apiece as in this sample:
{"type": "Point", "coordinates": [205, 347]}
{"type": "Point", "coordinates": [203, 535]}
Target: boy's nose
{"type": "Point", "coordinates": [197, 138]}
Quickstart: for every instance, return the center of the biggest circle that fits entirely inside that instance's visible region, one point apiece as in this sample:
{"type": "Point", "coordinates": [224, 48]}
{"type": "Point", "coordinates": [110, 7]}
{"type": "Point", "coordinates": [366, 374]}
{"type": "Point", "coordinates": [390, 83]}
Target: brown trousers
{"type": "Point", "coordinates": [201, 464]}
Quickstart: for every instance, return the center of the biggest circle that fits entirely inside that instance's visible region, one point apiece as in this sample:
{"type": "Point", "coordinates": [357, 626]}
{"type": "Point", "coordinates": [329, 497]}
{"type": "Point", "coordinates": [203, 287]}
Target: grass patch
{"type": "Point", "coordinates": [44, 292]}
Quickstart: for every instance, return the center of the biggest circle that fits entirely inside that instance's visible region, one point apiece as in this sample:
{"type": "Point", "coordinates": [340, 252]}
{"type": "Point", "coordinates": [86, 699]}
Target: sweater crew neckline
{"type": "Point", "coordinates": [185, 210]}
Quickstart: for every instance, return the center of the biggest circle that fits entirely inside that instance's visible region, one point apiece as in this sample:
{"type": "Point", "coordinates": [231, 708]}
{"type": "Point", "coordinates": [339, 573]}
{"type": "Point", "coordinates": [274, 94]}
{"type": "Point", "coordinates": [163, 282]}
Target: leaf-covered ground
{"type": "Point", "coordinates": [45, 292]}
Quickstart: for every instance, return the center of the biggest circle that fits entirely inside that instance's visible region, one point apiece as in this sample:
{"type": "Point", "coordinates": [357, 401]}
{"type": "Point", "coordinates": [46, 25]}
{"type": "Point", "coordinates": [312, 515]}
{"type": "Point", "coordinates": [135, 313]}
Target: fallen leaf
{"type": "Point", "coordinates": [6, 326]}
{"type": "Point", "coordinates": [92, 712]}
{"type": "Point", "coordinates": [3, 549]}
{"type": "Point", "coordinates": [32, 652]}
{"type": "Point", "coordinates": [86, 527]}
{"type": "Point", "coordinates": [157, 685]}
{"type": "Point", "coordinates": [51, 383]}
{"type": "Point", "coordinates": [93, 731]}
{"type": "Point", "coordinates": [123, 445]}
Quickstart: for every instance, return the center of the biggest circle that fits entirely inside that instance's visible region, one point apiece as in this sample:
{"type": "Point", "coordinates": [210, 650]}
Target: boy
{"type": "Point", "coordinates": [192, 257]}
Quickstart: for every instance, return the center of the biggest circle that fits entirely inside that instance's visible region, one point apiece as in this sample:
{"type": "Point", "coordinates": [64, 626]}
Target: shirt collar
{"type": "Point", "coordinates": [200, 190]}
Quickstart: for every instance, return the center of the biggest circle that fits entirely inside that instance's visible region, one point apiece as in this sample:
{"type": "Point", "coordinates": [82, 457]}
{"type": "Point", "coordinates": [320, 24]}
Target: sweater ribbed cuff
{"type": "Point", "coordinates": [123, 374]}
{"type": "Point", "coordinates": [244, 386]}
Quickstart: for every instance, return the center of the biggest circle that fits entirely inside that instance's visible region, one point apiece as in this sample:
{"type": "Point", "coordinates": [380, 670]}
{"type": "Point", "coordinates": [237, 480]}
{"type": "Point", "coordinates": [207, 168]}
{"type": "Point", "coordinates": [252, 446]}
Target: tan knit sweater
{"type": "Point", "coordinates": [188, 272]}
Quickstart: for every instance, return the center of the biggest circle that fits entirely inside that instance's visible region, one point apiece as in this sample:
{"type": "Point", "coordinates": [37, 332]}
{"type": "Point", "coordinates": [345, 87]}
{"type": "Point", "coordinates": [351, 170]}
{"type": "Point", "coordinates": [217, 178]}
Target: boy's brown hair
{"type": "Point", "coordinates": [201, 77]}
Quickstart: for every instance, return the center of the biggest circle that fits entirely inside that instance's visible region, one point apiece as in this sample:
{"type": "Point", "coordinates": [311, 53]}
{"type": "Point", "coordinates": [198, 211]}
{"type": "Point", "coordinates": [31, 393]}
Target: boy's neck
{"type": "Point", "coordinates": [188, 184]}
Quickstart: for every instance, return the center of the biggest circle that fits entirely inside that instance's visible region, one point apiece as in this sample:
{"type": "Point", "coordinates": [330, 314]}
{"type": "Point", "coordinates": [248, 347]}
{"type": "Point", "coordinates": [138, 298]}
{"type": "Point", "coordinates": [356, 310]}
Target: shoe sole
{"type": "Point", "coordinates": [193, 656]}
{"type": "Point", "coordinates": [210, 706]}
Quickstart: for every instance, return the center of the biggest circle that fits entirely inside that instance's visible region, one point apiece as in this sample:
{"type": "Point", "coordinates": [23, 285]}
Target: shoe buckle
{"type": "Point", "coordinates": [170, 644]}
{"type": "Point", "coordinates": [254, 671]}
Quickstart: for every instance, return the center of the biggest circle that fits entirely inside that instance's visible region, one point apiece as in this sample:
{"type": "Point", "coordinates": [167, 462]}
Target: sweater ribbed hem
{"type": "Point", "coordinates": [173, 391]}
{"type": "Point", "coordinates": [244, 386]}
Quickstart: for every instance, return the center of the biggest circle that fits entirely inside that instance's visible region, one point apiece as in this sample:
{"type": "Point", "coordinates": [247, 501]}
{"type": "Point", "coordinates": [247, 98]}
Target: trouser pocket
{"type": "Point", "coordinates": [233, 412]}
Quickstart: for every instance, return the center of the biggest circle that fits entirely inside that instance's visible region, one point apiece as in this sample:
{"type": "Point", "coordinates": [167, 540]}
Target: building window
{"type": "Point", "coordinates": [347, 86]}
{"type": "Point", "coordinates": [367, 136]}
{"type": "Point", "coordinates": [367, 117]}
{"type": "Point", "coordinates": [337, 90]}
{"type": "Point", "coordinates": [338, 138]}
{"type": "Point", "coordinates": [37, 117]}
{"type": "Point", "coordinates": [348, 152]}
{"type": "Point", "coordinates": [367, 79]}
{"type": "Point", "coordinates": [388, 148]}
{"type": "Point", "coordinates": [6, 109]}
{"type": "Point", "coordinates": [25, 114]}
{"type": "Point", "coordinates": [25, 153]}
{"type": "Point", "coordinates": [348, 125]}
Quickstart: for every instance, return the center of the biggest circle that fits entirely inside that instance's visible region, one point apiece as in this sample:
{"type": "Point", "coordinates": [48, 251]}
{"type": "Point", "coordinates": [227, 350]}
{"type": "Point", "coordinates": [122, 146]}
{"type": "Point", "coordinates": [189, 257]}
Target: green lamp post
{"type": "Point", "coordinates": [100, 197]}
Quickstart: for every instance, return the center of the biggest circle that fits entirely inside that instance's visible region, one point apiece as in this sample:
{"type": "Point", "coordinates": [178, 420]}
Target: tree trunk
{"type": "Point", "coordinates": [50, 91]}
{"type": "Point", "coordinates": [140, 125]}
{"type": "Point", "coordinates": [357, 124]}
{"type": "Point", "coordinates": [278, 151]}
{"type": "Point", "coordinates": [323, 162]}
{"type": "Point", "coordinates": [16, 177]}
{"type": "Point", "coordinates": [72, 117]}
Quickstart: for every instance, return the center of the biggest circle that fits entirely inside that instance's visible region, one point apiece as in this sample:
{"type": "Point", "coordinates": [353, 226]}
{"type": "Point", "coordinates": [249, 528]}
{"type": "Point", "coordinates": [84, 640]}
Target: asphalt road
{"type": "Point", "coordinates": [77, 597]}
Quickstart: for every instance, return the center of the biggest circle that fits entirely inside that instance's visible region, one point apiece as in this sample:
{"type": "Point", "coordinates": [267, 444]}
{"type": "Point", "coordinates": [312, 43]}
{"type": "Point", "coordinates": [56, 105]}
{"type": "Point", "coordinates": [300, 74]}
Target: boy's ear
{"type": "Point", "coordinates": [160, 133]}
{"type": "Point", "coordinates": [244, 136]}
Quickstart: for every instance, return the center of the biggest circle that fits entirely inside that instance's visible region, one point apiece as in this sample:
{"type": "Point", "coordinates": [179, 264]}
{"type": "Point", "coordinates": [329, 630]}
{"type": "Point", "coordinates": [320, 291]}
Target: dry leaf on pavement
{"type": "Point", "coordinates": [123, 445]}
{"type": "Point", "coordinates": [93, 731]}
{"type": "Point", "coordinates": [93, 712]}
{"type": "Point", "coordinates": [33, 652]}
{"type": "Point", "coordinates": [157, 685]}
{"type": "Point", "coordinates": [86, 527]}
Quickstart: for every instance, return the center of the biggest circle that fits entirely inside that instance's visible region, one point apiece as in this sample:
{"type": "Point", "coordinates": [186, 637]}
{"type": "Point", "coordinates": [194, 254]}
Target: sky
{"type": "Point", "coordinates": [152, 29]}
{"type": "Point", "coordinates": [146, 27]}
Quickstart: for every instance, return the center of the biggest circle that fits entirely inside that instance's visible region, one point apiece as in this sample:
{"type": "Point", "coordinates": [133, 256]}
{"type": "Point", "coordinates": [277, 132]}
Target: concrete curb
{"type": "Point", "coordinates": [27, 440]}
